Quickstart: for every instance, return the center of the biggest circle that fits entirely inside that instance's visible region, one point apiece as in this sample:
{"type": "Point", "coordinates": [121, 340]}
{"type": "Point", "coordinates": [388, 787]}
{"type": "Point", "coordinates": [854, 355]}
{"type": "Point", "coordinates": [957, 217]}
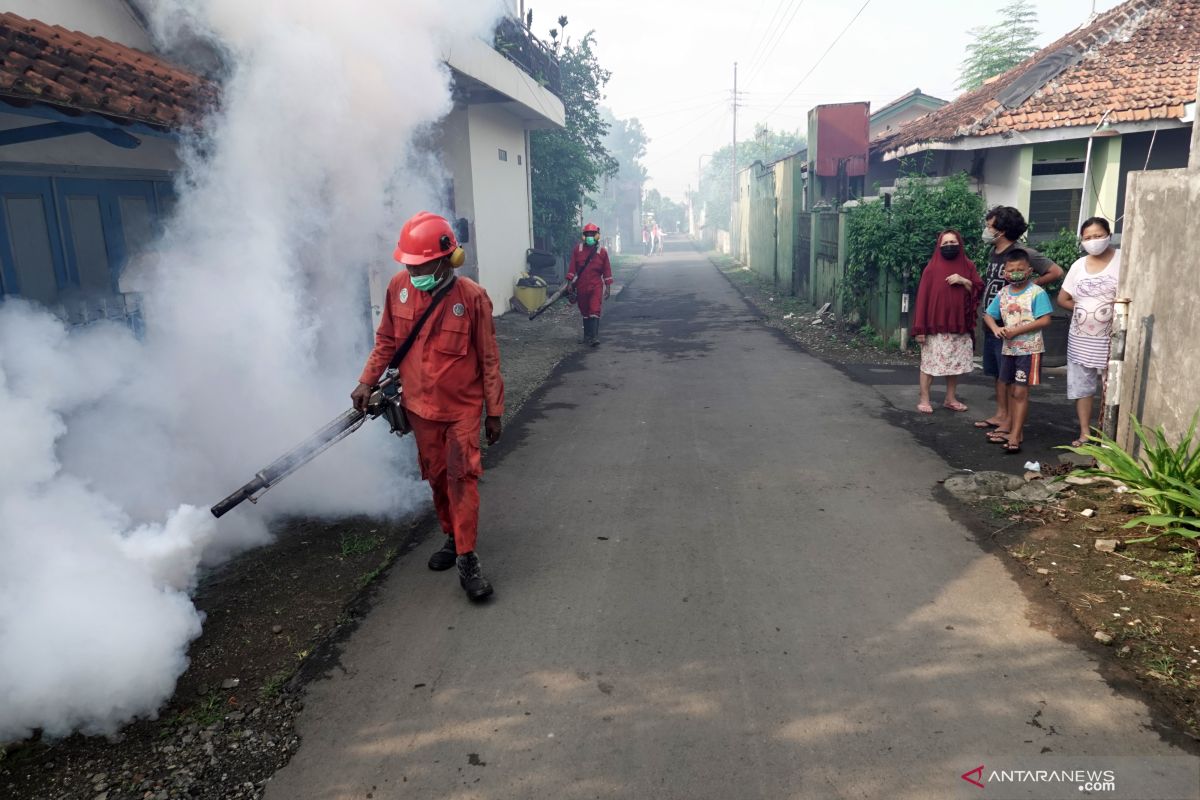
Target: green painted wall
{"type": "Point", "coordinates": [1025, 178]}
{"type": "Point", "coordinates": [1104, 178]}
{"type": "Point", "coordinates": [788, 197]}
{"type": "Point", "coordinates": [1060, 151]}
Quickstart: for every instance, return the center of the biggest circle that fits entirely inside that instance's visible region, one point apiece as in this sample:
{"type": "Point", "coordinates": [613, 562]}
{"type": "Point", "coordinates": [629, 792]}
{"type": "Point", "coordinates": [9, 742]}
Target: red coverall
{"type": "Point", "coordinates": [590, 288]}
{"type": "Point", "coordinates": [452, 370]}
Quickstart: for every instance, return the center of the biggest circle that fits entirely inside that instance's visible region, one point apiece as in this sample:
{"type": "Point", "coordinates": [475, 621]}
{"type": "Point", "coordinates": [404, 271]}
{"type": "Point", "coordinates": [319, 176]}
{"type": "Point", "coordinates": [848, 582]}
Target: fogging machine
{"type": "Point", "coordinates": [385, 401]}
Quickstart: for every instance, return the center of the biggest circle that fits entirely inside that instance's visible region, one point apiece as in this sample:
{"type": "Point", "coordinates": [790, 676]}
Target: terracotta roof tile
{"type": "Point", "coordinates": [69, 69]}
{"type": "Point", "coordinates": [1139, 60]}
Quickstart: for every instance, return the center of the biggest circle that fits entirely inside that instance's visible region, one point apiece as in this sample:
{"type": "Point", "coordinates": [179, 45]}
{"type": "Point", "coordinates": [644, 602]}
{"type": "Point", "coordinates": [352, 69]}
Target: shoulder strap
{"type": "Point", "coordinates": [586, 261]}
{"type": "Point", "coordinates": [403, 349]}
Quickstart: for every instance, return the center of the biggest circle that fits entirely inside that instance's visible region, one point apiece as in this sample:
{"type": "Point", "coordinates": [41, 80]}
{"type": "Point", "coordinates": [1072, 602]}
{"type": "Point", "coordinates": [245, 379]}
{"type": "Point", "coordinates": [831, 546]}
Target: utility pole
{"type": "Point", "coordinates": [733, 169]}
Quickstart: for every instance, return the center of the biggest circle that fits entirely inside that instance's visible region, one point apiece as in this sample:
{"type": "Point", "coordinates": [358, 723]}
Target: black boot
{"type": "Point", "coordinates": [470, 576]}
{"type": "Point", "coordinates": [583, 335]}
{"type": "Point", "coordinates": [595, 331]}
{"type": "Point", "coordinates": [443, 559]}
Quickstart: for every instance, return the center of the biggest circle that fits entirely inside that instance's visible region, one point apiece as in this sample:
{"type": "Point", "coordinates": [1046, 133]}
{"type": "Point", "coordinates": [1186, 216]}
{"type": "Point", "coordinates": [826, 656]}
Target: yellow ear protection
{"type": "Point", "coordinates": [458, 257]}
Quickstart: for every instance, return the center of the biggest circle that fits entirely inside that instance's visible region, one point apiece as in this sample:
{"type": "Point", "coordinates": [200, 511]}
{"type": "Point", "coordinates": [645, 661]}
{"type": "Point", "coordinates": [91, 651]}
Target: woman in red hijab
{"type": "Point", "coordinates": [944, 318]}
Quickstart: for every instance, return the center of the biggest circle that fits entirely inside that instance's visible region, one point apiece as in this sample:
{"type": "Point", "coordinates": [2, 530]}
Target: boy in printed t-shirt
{"type": "Point", "coordinates": [1024, 309]}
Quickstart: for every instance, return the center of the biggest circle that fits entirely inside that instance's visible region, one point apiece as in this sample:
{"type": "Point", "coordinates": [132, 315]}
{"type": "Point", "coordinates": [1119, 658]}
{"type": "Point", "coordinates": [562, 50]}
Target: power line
{"type": "Point", "coordinates": [701, 130]}
{"type": "Point", "coordinates": [780, 33]}
{"type": "Point", "coordinates": [667, 113]}
{"type": "Point", "coordinates": [767, 32]}
{"type": "Point", "coordinates": [822, 58]}
{"type": "Point", "coordinates": [706, 118]}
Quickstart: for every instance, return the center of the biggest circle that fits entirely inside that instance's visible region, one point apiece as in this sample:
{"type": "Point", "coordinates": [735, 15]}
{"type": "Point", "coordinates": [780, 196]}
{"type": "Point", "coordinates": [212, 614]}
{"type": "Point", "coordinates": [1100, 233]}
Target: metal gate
{"type": "Point", "coordinates": [802, 254]}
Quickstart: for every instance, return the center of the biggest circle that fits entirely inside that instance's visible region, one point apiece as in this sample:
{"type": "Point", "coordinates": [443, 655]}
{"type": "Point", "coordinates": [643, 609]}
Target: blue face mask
{"type": "Point", "coordinates": [424, 283]}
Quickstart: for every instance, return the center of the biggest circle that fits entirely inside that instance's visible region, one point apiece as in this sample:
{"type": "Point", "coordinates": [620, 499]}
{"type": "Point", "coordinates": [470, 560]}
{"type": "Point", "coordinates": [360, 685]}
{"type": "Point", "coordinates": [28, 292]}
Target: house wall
{"type": "Point", "coordinates": [1160, 377]}
{"type": "Point", "coordinates": [500, 198]}
{"type": "Point", "coordinates": [111, 19]}
{"type": "Point", "coordinates": [85, 150]}
{"type": "Point", "coordinates": [455, 146]}
{"type": "Point", "coordinates": [1170, 151]}
{"type": "Point", "coordinates": [1002, 170]}
{"type": "Point", "coordinates": [789, 191]}
{"type": "Point", "coordinates": [75, 212]}
{"type": "Point", "coordinates": [759, 239]}
{"type": "Point", "coordinates": [1159, 380]}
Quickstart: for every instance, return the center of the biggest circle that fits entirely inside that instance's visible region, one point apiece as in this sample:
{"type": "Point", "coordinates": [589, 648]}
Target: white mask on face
{"type": "Point", "coordinates": [1094, 247]}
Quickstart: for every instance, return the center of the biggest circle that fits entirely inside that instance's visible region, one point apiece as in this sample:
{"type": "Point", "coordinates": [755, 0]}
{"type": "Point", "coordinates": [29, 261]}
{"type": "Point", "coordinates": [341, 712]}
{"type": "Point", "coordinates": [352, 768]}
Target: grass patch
{"type": "Point", "coordinates": [274, 684]}
{"type": "Point", "coordinates": [358, 544]}
{"type": "Point", "coordinates": [208, 711]}
{"type": "Point", "coordinates": [368, 577]}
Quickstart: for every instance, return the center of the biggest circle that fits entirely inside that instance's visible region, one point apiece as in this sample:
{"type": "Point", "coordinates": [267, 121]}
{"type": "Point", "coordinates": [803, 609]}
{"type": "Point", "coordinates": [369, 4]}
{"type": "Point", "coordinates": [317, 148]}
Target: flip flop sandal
{"type": "Point", "coordinates": [924, 408]}
{"type": "Point", "coordinates": [1011, 449]}
{"type": "Point", "coordinates": [983, 423]}
{"type": "Point", "coordinates": [955, 406]}
{"type": "Point", "coordinates": [1078, 443]}
{"type": "Point", "coordinates": [997, 439]}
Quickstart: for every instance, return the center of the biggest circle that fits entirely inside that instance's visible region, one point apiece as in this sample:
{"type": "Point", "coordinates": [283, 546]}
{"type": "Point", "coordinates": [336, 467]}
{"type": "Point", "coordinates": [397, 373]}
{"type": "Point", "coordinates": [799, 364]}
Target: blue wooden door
{"type": "Point", "coordinates": [31, 256]}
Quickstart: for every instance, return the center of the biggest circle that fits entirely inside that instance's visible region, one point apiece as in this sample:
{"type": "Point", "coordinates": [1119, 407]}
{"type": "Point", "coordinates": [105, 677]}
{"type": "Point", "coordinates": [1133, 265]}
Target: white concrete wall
{"type": "Point", "coordinates": [536, 105]}
{"type": "Point", "coordinates": [1001, 177]}
{"type": "Point", "coordinates": [500, 198]}
{"type": "Point", "coordinates": [84, 150]}
{"type": "Point", "coordinates": [111, 19]}
{"type": "Point", "coordinates": [454, 144]}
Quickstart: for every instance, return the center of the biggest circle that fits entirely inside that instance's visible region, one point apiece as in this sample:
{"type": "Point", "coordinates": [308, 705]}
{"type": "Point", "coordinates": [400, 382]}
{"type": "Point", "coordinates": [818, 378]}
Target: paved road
{"type": "Point", "coordinates": [720, 574]}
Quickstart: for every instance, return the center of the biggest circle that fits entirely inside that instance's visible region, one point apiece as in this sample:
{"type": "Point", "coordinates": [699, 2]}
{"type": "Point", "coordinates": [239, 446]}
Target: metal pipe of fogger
{"type": "Point", "coordinates": [1116, 362]}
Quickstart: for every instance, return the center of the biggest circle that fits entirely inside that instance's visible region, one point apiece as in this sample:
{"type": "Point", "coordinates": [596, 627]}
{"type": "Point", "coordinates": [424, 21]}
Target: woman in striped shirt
{"type": "Point", "coordinates": [1089, 291]}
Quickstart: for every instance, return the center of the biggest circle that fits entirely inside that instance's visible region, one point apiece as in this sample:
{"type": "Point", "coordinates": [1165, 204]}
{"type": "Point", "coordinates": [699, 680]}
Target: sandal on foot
{"type": "Point", "coordinates": [1079, 443]}
{"type": "Point", "coordinates": [955, 406]}
{"type": "Point", "coordinates": [983, 423]}
{"type": "Point", "coordinates": [997, 437]}
{"type": "Point", "coordinates": [1011, 448]}
{"type": "Point", "coordinates": [924, 408]}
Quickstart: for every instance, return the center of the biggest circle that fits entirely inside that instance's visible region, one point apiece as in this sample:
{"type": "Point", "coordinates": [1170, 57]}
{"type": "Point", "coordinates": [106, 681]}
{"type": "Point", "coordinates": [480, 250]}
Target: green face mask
{"type": "Point", "coordinates": [589, 240]}
{"type": "Point", "coordinates": [424, 283]}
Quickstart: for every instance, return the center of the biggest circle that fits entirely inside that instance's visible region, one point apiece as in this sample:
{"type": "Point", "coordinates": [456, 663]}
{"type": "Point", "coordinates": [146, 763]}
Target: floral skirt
{"type": "Point", "coordinates": [947, 354]}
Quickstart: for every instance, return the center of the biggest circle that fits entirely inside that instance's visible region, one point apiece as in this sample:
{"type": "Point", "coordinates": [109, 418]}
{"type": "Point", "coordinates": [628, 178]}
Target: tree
{"type": "Point", "coordinates": [670, 216]}
{"type": "Point", "coordinates": [567, 165]}
{"type": "Point", "coordinates": [717, 178]}
{"type": "Point", "coordinates": [999, 47]}
{"type": "Point", "coordinates": [618, 200]}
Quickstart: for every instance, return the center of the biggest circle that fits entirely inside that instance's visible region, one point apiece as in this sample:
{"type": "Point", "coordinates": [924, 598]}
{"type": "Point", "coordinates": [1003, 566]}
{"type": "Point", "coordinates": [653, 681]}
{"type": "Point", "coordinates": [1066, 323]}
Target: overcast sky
{"type": "Point", "coordinates": [672, 62]}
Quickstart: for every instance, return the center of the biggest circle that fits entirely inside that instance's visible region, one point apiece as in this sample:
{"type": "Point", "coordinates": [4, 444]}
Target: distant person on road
{"type": "Point", "coordinates": [646, 241]}
{"type": "Point", "coordinates": [944, 318]}
{"type": "Point", "coordinates": [1003, 228]}
{"type": "Point", "coordinates": [657, 238]}
{"type": "Point", "coordinates": [1089, 291]}
{"type": "Point", "coordinates": [1017, 315]}
{"type": "Point", "coordinates": [449, 376]}
{"type": "Point", "coordinates": [592, 273]}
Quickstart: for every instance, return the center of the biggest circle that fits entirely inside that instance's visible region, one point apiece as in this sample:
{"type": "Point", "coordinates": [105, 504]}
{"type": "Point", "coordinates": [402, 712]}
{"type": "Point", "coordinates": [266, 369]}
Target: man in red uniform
{"type": "Point", "coordinates": [590, 263]}
{"type": "Point", "coordinates": [451, 372]}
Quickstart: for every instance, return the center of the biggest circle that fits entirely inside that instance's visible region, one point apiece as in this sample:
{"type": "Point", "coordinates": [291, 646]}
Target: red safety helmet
{"type": "Point", "coordinates": [591, 227]}
{"type": "Point", "coordinates": [425, 237]}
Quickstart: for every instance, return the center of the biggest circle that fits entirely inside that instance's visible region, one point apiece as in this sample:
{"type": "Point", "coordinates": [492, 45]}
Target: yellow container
{"type": "Point", "coordinates": [531, 297]}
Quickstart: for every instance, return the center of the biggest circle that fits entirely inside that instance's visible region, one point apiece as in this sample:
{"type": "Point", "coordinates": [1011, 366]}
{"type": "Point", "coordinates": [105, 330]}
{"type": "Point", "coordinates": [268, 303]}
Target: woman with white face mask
{"type": "Point", "coordinates": [1089, 292]}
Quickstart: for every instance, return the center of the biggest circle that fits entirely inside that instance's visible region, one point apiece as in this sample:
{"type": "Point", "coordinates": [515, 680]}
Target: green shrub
{"type": "Point", "coordinates": [1165, 480]}
{"type": "Point", "coordinates": [899, 241]}
{"type": "Point", "coordinates": [1062, 250]}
